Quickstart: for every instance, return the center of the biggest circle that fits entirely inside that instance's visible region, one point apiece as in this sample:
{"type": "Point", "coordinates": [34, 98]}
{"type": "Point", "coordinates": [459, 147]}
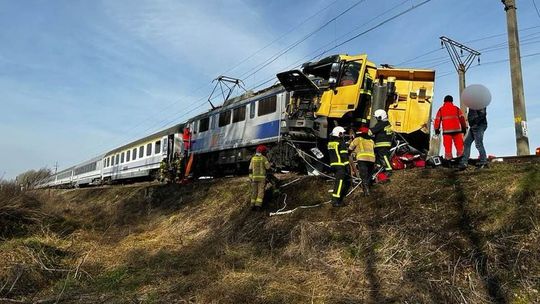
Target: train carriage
{"type": "Point", "coordinates": [141, 158]}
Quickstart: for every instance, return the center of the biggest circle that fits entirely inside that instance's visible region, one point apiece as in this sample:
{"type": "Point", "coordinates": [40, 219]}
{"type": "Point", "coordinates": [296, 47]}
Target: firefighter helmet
{"type": "Point", "coordinates": [380, 114]}
{"type": "Point", "coordinates": [338, 131]}
{"type": "Point", "coordinates": [261, 149]}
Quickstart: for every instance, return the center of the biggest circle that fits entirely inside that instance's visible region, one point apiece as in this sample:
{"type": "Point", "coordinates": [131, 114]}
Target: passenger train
{"type": "Point", "coordinates": [295, 114]}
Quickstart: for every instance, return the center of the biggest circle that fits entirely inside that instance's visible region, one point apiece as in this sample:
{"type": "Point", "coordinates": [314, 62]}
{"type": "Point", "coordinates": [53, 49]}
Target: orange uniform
{"type": "Point", "coordinates": [453, 124]}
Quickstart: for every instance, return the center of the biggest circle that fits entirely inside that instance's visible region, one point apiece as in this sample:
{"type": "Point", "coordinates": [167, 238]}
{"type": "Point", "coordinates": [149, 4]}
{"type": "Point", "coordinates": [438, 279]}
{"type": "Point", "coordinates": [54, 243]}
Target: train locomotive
{"type": "Point", "coordinates": [295, 114]}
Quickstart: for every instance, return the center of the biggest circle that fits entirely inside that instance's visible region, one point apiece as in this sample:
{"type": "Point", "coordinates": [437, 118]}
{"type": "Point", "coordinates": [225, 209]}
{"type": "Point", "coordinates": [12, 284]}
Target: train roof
{"type": "Point", "coordinates": [174, 129]}
{"type": "Point", "coordinates": [92, 160]}
{"type": "Point", "coordinates": [246, 97]}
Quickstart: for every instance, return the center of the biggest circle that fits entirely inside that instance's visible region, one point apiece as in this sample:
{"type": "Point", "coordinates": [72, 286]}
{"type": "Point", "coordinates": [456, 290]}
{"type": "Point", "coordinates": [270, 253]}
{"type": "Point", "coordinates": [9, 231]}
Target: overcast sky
{"type": "Point", "coordinates": [80, 77]}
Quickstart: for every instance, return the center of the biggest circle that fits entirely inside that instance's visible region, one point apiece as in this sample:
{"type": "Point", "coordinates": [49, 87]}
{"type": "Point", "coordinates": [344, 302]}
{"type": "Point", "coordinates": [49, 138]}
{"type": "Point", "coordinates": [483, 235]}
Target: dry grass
{"type": "Point", "coordinates": [430, 236]}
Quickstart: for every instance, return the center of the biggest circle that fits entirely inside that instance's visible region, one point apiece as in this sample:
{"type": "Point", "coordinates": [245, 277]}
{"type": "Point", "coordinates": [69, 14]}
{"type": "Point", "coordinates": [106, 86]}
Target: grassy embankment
{"type": "Point", "coordinates": [430, 236]}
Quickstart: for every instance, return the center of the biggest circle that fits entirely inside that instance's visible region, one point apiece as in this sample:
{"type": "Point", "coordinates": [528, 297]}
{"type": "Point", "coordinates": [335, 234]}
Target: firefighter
{"type": "Point", "coordinates": [177, 167]}
{"type": "Point", "coordinates": [362, 148]}
{"type": "Point", "coordinates": [454, 126]}
{"type": "Point", "coordinates": [339, 161]}
{"type": "Point", "coordinates": [383, 134]}
{"type": "Point", "coordinates": [163, 170]}
{"type": "Point", "coordinates": [258, 167]}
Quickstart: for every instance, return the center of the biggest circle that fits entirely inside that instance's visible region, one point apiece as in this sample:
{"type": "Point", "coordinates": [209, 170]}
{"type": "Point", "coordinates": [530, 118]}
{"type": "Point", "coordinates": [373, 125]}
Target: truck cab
{"type": "Point", "coordinates": [346, 90]}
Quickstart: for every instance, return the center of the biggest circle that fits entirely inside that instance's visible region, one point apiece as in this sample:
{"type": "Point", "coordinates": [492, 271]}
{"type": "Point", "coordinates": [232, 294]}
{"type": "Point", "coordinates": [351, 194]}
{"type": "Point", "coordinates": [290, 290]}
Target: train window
{"type": "Point", "coordinates": [135, 154]}
{"type": "Point", "coordinates": [204, 124]}
{"type": "Point", "coordinates": [252, 110]}
{"type": "Point", "coordinates": [267, 105]}
{"type": "Point", "coordinates": [122, 158]}
{"type": "Point", "coordinates": [157, 147]}
{"type": "Point", "coordinates": [239, 114]}
{"type": "Point", "coordinates": [108, 161]}
{"type": "Point", "coordinates": [224, 118]}
{"type": "Point", "coordinates": [141, 151]}
{"type": "Point", "coordinates": [116, 162]}
{"type": "Point", "coordinates": [149, 149]}
{"type": "Point", "coordinates": [104, 163]}
{"type": "Point", "coordinates": [128, 155]}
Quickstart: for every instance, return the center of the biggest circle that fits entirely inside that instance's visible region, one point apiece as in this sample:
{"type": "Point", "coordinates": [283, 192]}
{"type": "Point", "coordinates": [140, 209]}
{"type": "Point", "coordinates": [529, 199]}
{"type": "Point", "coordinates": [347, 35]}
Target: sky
{"type": "Point", "coordinates": [78, 78]}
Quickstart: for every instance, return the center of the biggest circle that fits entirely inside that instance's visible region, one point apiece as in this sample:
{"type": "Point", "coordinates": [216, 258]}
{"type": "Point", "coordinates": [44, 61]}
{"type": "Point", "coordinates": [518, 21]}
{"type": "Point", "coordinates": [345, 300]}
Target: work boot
{"type": "Point", "coordinates": [337, 204]}
{"type": "Point", "coordinates": [462, 167]}
{"type": "Point", "coordinates": [481, 166]}
{"type": "Point", "coordinates": [255, 208]}
{"type": "Point", "coordinates": [365, 188]}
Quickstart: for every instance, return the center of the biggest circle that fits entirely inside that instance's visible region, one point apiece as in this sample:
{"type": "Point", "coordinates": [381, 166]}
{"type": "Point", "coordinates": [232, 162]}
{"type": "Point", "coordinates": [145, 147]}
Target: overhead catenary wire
{"type": "Point", "coordinates": [319, 54]}
{"type": "Point", "coordinates": [284, 51]}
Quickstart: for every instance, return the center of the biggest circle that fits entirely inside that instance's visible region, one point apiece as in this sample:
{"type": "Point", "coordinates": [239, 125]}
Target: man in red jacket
{"type": "Point", "coordinates": [454, 126]}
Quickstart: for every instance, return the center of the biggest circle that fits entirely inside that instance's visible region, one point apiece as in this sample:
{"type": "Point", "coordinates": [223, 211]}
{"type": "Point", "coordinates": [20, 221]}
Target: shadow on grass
{"type": "Point", "coordinates": [491, 282]}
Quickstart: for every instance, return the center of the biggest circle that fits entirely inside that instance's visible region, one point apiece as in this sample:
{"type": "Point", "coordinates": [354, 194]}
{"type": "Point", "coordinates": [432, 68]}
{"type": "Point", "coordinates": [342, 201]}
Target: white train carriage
{"type": "Point", "coordinates": [88, 173]}
{"type": "Point", "coordinates": [63, 178]}
{"type": "Point", "coordinates": [142, 158]}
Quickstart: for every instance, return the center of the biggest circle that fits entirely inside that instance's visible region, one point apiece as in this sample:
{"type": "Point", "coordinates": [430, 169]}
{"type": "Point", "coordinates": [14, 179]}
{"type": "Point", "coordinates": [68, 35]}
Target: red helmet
{"type": "Point", "coordinates": [261, 149]}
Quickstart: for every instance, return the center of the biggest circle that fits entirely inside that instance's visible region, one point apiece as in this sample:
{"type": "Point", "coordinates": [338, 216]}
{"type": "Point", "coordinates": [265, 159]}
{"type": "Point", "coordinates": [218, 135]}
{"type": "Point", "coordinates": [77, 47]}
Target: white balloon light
{"type": "Point", "coordinates": [476, 96]}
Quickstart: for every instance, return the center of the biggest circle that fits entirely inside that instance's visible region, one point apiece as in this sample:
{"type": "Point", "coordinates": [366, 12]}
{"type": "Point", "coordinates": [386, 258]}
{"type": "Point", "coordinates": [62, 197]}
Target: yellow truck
{"type": "Point", "coordinates": [346, 90]}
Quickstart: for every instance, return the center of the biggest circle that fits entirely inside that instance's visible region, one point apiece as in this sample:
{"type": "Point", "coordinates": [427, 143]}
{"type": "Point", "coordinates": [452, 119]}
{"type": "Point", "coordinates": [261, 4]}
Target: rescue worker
{"type": "Point", "coordinates": [383, 135]}
{"type": "Point", "coordinates": [177, 167]}
{"type": "Point", "coordinates": [362, 148]}
{"type": "Point", "coordinates": [339, 161]}
{"type": "Point", "coordinates": [454, 126]}
{"type": "Point", "coordinates": [477, 126]}
{"type": "Point", "coordinates": [163, 170]}
{"type": "Point", "coordinates": [172, 167]}
{"type": "Point", "coordinates": [258, 167]}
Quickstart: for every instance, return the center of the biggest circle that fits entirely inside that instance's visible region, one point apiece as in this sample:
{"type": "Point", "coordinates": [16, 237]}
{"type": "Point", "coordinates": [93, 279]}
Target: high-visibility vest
{"type": "Point", "coordinates": [337, 151]}
{"type": "Point", "coordinates": [258, 166]}
{"type": "Point", "coordinates": [451, 118]}
{"type": "Point", "coordinates": [363, 149]}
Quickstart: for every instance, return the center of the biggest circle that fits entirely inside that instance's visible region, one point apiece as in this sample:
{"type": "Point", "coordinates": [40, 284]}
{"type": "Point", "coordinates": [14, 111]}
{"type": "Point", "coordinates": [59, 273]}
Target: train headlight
{"type": "Point", "coordinates": [283, 123]}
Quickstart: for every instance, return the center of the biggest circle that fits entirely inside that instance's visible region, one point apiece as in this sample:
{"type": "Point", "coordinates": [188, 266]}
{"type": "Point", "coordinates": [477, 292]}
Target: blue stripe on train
{"type": "Point", "coordinates": [265, 130]}
{"type": "Point", "coordinates": [269, 129]}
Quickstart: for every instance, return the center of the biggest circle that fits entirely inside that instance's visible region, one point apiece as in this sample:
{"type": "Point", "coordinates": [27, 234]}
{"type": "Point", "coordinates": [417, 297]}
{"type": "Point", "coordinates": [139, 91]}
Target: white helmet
{"type": "Point", "coordinates": [380, 114]}
{"type": "Point", "coordinates": [337, 131]}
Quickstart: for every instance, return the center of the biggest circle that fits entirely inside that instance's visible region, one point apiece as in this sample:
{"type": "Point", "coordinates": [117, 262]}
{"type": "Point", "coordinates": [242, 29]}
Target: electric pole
{"type": "Point", "coordinates": [461, 62]}
{"type": "Point", "coordinates": [55, 167]}
{"type": "Point", "coordinates": [520, 113]}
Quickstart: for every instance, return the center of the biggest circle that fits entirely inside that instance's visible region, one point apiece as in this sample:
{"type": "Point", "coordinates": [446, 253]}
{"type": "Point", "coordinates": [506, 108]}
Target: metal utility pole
{"type": "Point", "coordinates": [520, 113]}
{"type": "Point", "coordinates": [460, 61]}
{"type": "Point", "coordinates": [55, 167]}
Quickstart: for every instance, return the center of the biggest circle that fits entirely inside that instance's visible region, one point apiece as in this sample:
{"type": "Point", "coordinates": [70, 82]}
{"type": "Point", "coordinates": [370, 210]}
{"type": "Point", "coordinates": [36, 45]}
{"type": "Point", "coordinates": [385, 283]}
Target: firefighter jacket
{"type": "Point", "coordinates": [337, 151]}
{"type": "Point", "coordinates": [257, 167]}
{"type": "Point", "coordinates": [363, 149]}
{"type": "Point", "coordinates": [382, 131]}
{"type": "Point", "coordinates": [451, 118]}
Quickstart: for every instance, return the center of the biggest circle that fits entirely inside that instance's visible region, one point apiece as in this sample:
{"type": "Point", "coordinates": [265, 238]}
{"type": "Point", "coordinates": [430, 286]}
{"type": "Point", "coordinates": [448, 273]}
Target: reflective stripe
{"type": "Point", "coordinates": [365, 154]}
{"type": "Point", "coordinates": [339, 164]}
{"type": "Point", "coordinates": [388, 166]}
{"type": "Point", "coordinates": [368, 92]}
{"type": "Point", "coordinates": [383, 144]}
{"type": "Point", "coordinates": [338, 194]}
{"type": "Point", "coordinates": [450, 117]}
{"type": "Point", "coordinates": [343, 151]}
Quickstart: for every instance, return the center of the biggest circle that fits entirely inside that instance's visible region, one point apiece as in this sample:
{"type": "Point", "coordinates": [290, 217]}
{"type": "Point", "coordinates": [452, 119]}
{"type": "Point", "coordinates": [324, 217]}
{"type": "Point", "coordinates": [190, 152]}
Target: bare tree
{"type": "Point", "coordinates": [32, 178]}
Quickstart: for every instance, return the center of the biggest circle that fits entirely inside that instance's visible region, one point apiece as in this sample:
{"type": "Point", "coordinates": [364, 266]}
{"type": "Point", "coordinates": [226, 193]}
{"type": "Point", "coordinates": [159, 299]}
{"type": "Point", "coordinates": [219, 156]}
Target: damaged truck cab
{"type": "Point", "coordinates": [346, 90]}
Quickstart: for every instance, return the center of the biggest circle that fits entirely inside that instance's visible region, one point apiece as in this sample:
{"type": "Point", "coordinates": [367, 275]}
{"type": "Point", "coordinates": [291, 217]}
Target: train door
{"type": "Point", "coordinates": [170, 147]}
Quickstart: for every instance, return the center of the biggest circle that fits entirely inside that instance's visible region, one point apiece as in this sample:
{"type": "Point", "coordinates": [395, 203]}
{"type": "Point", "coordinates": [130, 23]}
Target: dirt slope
{"type": "Point", "coordinates": [430, 236]}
